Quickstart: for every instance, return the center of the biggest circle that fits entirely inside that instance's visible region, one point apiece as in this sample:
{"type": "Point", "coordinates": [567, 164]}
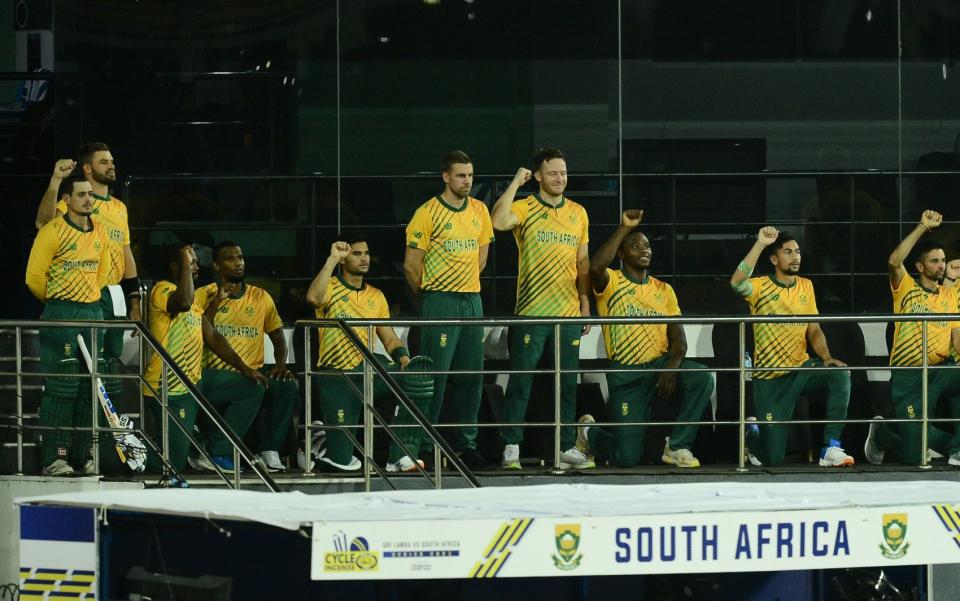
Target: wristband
{"type": "Point", "coordinates": [399, 353]}
{"type": "Point", "coordinates": [130, 287]}
{"type": "Point", "coordinates": [745, 269]}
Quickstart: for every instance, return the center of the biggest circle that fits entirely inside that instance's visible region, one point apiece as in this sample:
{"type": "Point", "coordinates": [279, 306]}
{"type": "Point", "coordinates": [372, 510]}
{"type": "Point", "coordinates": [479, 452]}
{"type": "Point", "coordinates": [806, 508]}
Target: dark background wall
{"type": "Point", "coordinates": [286, 124]}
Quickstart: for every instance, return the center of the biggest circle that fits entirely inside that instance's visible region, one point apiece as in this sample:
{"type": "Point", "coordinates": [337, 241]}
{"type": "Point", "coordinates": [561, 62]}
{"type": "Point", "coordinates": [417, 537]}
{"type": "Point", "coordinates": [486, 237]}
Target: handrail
{"type": "Point", "coordinates": [419, 417]}
{"type": "Point", "coordinates": [144, 334]}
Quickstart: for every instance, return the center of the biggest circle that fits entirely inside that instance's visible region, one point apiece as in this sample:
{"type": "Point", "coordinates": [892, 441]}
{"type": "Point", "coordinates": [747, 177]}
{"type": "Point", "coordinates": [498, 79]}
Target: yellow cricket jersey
{"type": "Point", "coordinates": [345, 302]}
{"type": "Point", "coordinates": [547, 240]}
{"type": "Point", "coordinates": [780, 344]}
{"type": "Point", "coordinates": [243, 320]}
{"type": "Point", "coordinates": [624, 297]}
{"type": "Point", "coordinates": [910, 297]}
{"type": "Point", "coordinates": [451, 240]}
{"type": "Point", "coordinates": [182, 337]}
{"type": "Point", "coordinates": [67, 263]}
{"type": "Point", "coordinates": [111, 214]}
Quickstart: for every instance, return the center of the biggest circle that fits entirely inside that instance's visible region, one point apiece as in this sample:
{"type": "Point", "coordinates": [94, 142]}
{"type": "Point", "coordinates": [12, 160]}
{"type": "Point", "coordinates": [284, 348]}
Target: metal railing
{"type": "Point", "coordinates": [146, 341]}
{"type": "Point", "coordinates": [743, 372]}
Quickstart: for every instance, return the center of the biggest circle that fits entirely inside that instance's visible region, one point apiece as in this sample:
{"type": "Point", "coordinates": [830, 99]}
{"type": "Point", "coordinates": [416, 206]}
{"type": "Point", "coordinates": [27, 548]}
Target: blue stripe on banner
{"type": "Point", "coordinates": [63, 595]}
{"type": "Point", "coordinates": [38, 522]}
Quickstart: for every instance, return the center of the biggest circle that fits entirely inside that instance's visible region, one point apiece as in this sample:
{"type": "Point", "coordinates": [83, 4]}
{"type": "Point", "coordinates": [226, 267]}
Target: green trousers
{"type": "Point", "coordinates": [776, 399]}
{"type": "Point", "coordinates": [630, 397]}
{"type": "Point", "coordinates": [184, 409]}
{"type": "Point", "coordinates": [67, 402]}
{"type": "Point", "coordinates": [113, 338]}
{"type": "Point", "coordinates": [526, 346]}
{"type": "Point", "coordinates": [341, 405]}
{"type": "Point", "coordinates": [279, 403]}
{"type": "Point", "coordinates": [901, 442]}
{"type": "Point", "coordinates": [237, 398]}
{"type": "Point", "coordinates": [454, 348]}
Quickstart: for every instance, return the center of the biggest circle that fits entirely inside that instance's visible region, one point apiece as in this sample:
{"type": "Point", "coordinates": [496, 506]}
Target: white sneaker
{"type": "Point", "coordinates": [353, 466]}
{"type": "Point", "coordinates": [583, 443]}
{"type": "Point", "coordinates": [194, 465]}
{"type": "Point", "coordinates": [59, 467]}
{"type": "Point", "coordinates": [834, 456]}
{"type": "Point", "coordinates": [511, 457]}
{"type": "Point", "coordinates": [871, 449]}
{"type": "Point", "coordinates": [405, 464]}
{"type": "Point", "coordinates": [302, 462]}
{"type": "Point", "coordinates": [933, 455]}
{"type": "Point", "coordinates": [88, 468]}
{"type": "Point", "coordinates": [954, 458]}
{"type": "Point", "coordinates": [678, 457]}
{"type": "Point", "coordinates": [574, 458]}
{"type": "Point", "coordinates": [271, 459]}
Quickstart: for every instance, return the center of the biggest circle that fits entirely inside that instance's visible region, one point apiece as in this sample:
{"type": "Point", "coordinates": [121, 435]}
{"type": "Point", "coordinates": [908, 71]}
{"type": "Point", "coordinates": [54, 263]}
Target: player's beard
{"type": "Point", "coordinates": [103, 178]}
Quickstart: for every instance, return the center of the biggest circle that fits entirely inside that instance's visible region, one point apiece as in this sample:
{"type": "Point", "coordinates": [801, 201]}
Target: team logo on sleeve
{"type": "Point", "coordinates": [567, 539]}
{"type": "Point", "coordinates": [894, 545]}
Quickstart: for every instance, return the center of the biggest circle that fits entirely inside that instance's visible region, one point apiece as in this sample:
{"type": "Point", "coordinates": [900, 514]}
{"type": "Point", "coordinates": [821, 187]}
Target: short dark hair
{"type": "Point", "coordinates": [66, 186]}
{"type": "Point", "coordinates": [356, 238]}
{"type": "Point", "coordinates": [782, 238]}
{"type": "Point", "coordinates": [546, 154]}
{"type": "Point", "coordinates": [632, 234]}
{"type": "Point", "coordinates": [455, 157]}
{"type": "Point", "coordinates": [222, 245]}
{"type": "Point", "coordinates": [86, 152]}
{"type": "Point", "coordinates": [923, 247]}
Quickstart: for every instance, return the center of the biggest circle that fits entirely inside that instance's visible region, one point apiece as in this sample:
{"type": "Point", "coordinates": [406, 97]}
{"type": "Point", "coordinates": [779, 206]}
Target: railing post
{"type": "Point", "coordinates": [164, 411]}
{"type": "Point", "coordinates": [438, 472]}
{"type": "Point", "coordinates": [307, 404]}
{"type": "Point", "coordinates": [923, 398]}
{"type": "Point", "coordinates": [367, 413]}
{"type": "Point", "coordinates": [741, 428]}
{"type": "Point", "coordinates": [556, 396]}
{"type": "Point", "coordinates": [94, 403]}
{"type": "Point", "coordinates": [236, 467]}
{"type": "Point", "coordinates": [19, 360]}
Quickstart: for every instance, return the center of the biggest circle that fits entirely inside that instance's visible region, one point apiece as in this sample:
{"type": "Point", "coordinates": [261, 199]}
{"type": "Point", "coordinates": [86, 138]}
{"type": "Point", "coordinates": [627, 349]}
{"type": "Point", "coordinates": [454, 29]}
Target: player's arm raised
{"type": "Point", "coordinates": [602, 258]}
{"type": "Point", "coordinates": [48, 203]}
{"type": "Point", "coordinates": [318, 293]}
{"type": "Point", "coordinates": [740, 280]}
{"type": "Point", "coordinates": [182, 298]}
{"type": "Point", "coordinates": [502, 217]}
{"type": "Point", "coordinates": [928, 221]}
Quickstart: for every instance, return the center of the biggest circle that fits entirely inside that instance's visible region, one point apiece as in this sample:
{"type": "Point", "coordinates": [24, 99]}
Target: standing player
{"type": "Point", "coordinates": [96, 164]}
{"type": "Point", "coordinates": [178, 322]}
{"type": "Point", "coordinates": [633, 292]}
{"type": "Point", "coordinates": [447, 244]}
{"type": "Point", "coordinates": [243, 313]}
{"type": "Point", "coordinates": [923, 294]}
{"type": "Point", "coordinates": [785, 345]}
{"type": "Point", "coordinates": [348, 296]}
{"type": "Point", "coordinates": [551, 235]}
{"type": "Point", "coordinates": [66, 270]}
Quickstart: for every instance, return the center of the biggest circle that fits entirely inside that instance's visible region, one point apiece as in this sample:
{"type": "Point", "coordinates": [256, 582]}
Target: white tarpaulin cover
{"type": "Point", "coordinates": [583, 529]}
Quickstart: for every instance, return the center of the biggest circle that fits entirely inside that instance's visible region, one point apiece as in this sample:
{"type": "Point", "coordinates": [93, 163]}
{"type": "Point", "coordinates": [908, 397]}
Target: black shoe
{"type": "Point", "coordinates": [475, 461]}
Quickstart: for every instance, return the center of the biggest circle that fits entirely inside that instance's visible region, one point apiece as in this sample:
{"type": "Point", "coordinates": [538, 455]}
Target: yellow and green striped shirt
{"type": "Point", "coordinates": [910, 297]}
{"type": "Point", "coordinates": [548, 239]}
{"type": "Point", "coordinates": [182, 337]}
{"type": "Point", "coordinates": [67, 263]}
{"type": "Point", "coordinates": [243, 321]}
{"type": "Point", "coordinates": [780, 344]}
{"type": "Point", "coordinates": [347, 302]}
{"type": "Point", "coordinates": [624, 297]}
{"type": "Point", "coordinates": [451, 240]}
{"type": "Point", "coordinates": [111, 214]}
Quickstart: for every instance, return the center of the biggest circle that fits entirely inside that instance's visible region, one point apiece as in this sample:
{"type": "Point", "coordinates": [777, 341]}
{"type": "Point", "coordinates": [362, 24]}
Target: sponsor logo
{"type": "Point", "coordinates": [341, 416]}
{"type": "Point", "coordinates": [803, 299]}
{"type": "Point", "coordinates": [526, 338]}
{"type": "Point", "coordinates": [443, 340]}
{"type": "Point", "coordinates": [911, 412]}
{"type": "Point", "coordinates": [370, 303]}
{"type": "Point", "coordinates": [567, 539]}
{"type": "Point", "coordinates": [183, 413]}
{"type": "Point", "coordinates": [658, 297]}
{"type": "Point", "coordinates": [448, 226]}
{"type": "Point", "coordinates": [575, 342]}
{"type": "Point", "coordinates": [894, 545]}
{"type": "Point", "coordinates": [96, 245]}
{"type": "Point", "coordinates": [768, 417]}
{"type": "Point", "coordinates": [950, 520]}
{"type": "Point", "coordinates": [72, 246]}
{"type": "Point", "coordinates": [475, 222]}
{"type": "Point", "coordinates": [624, 409]}
{"type": "Point", "coordinates": [501, 546]}
{"type": "Point", "coordinates": [61, 452]}
{"type": "Point", "coordinates": [350, 556]}
{"type": "Point", "coordinates": [67, 350]}
{"type": "Point", "coordinates": [418, 235]}
{"type": "Point", "coordinates": [249, 311]}
{"type": "Point", "coordinates": [573, 218]}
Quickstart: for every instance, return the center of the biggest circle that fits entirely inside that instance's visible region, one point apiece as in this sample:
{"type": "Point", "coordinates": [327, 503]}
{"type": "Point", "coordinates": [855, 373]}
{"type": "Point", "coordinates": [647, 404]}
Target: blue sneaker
{"type": "Point", "coordinates": [224, 462]}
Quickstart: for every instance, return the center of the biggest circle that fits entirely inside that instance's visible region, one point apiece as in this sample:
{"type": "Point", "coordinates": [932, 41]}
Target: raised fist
{"type": "Point", "coordinates": [522, 176]}
{"type": "Point", "coordinates": [931, 219]}
{"type": "Point", "coordinates": [631, 217]}
{"type": "Point", "coordinates": [767, 235]}
{"type": "Point", "coordinates": [63, 168]}
{"type": "Point", "coordinates": [339, 250]}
